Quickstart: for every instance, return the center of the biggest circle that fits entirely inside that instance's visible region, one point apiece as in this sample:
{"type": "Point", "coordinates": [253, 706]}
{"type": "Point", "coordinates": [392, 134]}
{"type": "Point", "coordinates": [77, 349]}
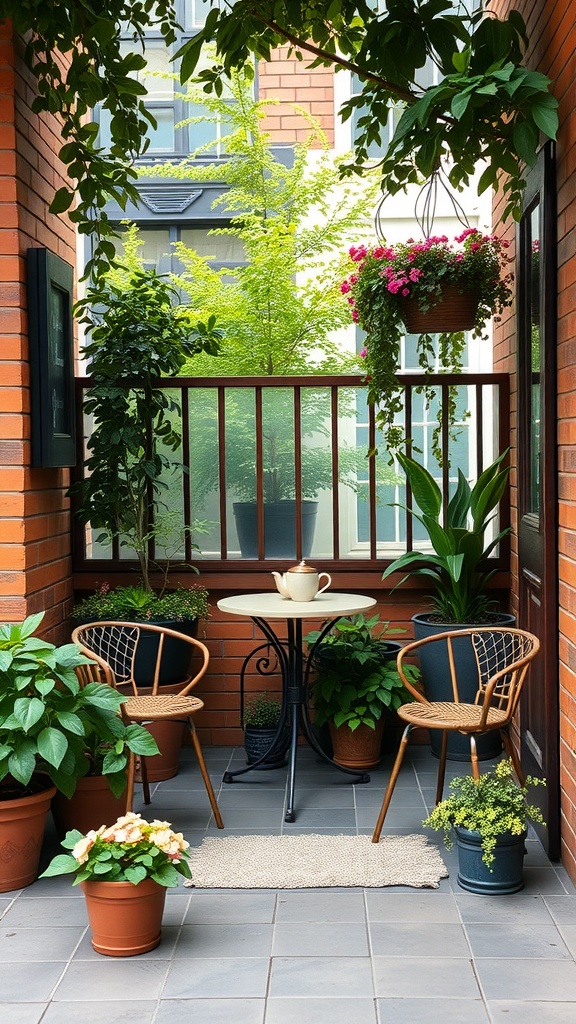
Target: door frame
{"type": "Point", "coordinates": [542, 530]}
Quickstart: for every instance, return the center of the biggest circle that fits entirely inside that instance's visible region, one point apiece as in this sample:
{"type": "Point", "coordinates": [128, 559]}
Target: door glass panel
{"type": "Point", "coordinates": [535, 362]}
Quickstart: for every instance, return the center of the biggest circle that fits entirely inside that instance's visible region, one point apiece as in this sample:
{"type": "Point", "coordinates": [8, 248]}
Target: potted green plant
{"type": "Point", "coordinates": [434, 286]}
{"type": "Point", "coordinates": [46, 719]}
{"type": "Point", "coordinates": [261, 718]}
{"type": "Point", "coordinates": [355, 686]}
{"type": "Point", "coordinates": [454, 567]}
{"type": "Point", "coordinates": [124, 870]}
{"type": "Point", "coordinates": [488, 817]}
{"type": "Point", "coordinates": [137, 333]}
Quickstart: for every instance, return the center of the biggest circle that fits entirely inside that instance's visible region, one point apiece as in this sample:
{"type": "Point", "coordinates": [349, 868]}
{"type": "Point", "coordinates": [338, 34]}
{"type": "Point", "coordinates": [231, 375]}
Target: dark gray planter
{"type": "Point", "coordinates": [507, 875]}
{"type": "Point", "coordinates": [175, 655]}
{"type": "Point", "coordinates": [257, 741]}
{"type": "Point", "coordinates": [279, 528]}
{"type": "Point", "coordinates": [436, 675]}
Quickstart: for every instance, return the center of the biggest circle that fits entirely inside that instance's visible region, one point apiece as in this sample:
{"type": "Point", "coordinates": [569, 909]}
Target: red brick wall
{"type": "Point", "coordinates": [34, 517]}
{"type": "Point", "coordinates": [552, 31]}
{"type": "Point", "coordinates": [310, 88]}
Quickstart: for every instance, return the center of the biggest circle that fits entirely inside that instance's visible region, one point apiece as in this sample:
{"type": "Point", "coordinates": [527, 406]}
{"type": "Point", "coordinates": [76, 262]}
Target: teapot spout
{"type": "Point", "coordinates": [280, 581]}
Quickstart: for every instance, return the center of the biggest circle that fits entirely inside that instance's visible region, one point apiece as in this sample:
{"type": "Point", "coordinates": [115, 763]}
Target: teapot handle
{"type": "Point", "coordinates": [326, 585]}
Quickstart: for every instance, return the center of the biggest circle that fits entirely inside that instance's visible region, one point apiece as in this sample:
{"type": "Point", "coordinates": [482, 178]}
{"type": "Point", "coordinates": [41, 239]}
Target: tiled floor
{"type": "Point", "coordinates": [329, 956]}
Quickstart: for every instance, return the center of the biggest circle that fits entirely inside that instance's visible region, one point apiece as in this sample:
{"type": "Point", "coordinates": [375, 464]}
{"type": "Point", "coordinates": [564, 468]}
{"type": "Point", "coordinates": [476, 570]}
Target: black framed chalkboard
{"type": "Point", "coordinates": [51, 340]}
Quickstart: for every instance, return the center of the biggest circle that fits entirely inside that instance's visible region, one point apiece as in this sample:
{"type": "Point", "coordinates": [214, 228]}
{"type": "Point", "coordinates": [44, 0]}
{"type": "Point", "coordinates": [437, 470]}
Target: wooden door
{"type": "Point", "coordinates": [537, 486]}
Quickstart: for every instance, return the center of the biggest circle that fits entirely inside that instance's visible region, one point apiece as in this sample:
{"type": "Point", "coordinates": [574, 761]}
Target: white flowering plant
{"type": "Point", "coordinates": [130, 850]}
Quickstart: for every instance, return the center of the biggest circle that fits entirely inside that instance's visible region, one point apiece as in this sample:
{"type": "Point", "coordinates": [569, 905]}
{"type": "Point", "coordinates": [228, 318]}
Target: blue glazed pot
{"type": "Point", "coordinates": [507, 875]}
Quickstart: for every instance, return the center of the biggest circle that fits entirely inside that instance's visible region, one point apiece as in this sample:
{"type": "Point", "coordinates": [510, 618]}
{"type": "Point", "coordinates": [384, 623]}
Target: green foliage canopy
{"type": "Point", "coordinates": [485, 107]}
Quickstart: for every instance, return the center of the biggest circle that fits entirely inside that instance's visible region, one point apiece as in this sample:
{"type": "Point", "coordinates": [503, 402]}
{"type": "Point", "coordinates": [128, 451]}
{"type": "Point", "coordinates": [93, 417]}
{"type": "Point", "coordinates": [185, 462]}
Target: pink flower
{"type": "Point", "coordinates": [415, 274]}
{"type": "Point", "coordinates": [345, 287]}
{"type": "Point", "coordinates": [355, 316]}
{"type": "Point", "coordinates": [405, 291]}
{"type": "Point", "coordinates": [363, 353]}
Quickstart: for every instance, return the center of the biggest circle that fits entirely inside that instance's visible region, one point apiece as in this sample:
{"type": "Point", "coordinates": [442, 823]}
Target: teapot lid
{"type": "Point", "coordinates": [302, 567]}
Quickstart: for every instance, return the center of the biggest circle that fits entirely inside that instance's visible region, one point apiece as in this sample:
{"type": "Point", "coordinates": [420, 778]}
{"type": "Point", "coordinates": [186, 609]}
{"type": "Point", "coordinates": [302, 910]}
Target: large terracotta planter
{"type": "Point", "coordinates": [125, 919]}
{"type": "Point", "coordinates": [93, 804]}
{"type": "Point", "coordinates": [168, 735]}
{"type": "Point", "coordinates": [454, 311]}
{"type": "Point", "coordinates": [22, 824]}
{"type": "Point", "coordinates": [359, 748]}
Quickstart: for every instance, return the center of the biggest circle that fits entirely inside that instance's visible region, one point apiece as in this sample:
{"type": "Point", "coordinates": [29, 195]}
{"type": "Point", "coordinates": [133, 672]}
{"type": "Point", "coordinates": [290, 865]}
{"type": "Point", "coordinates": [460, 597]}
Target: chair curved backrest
{"type": "Point", "coordinates": [114, 645]}
{"type": "Point", "coordinates": [502, 657]}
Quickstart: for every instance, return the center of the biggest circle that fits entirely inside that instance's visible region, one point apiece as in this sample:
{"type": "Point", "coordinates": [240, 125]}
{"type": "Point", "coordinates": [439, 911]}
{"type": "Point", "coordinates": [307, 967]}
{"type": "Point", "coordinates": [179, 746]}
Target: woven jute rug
{"type": "Point", "coordinates": [314, 861]}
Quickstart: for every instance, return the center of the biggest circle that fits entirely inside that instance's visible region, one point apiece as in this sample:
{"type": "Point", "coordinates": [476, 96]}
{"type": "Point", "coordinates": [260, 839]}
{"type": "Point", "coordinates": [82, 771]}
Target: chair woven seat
{"type": "Point", "coordinates": [446, 715]}
{"type": "Point", "coordinates": [112, 648]}
{"type": "Point", "coordinates": [499, 665]}
{"type": "Point", "coordinates": [161, 708]}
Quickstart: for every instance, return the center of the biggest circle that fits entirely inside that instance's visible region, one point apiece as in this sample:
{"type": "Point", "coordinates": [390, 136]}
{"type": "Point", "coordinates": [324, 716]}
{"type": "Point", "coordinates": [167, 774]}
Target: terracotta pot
{"type": "Point", "coordinates": [22, 824]}
{"type": "Point", "coordinates": [93, 804]}
{"type": "Point", "coordinates": [359, 748]}
{"type": "Point", "coordinates": [454, 311]}
{"type": "Point", "coordinates": [125, 919]}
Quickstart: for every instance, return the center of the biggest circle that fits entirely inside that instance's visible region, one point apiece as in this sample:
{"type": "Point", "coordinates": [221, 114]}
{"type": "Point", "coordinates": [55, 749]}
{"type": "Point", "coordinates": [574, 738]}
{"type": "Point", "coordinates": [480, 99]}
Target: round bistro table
{"type": "Point", "coordinates": [266, 609]}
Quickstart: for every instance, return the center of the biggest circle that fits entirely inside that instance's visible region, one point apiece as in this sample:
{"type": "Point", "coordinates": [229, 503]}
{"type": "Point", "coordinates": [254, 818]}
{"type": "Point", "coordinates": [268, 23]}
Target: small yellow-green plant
{"type": "Point", "coordinates": [493, 805]}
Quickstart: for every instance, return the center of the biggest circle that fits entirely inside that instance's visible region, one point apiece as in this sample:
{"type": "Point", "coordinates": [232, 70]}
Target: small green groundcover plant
{"type": "Point", "coordinates": [130, 850]}
{"type": "Point", "coordinates": [493, 805]}
{"type": "Point", "coordinates": [263, 711]}
{"type": "Point", "coordinates": [136, 604]}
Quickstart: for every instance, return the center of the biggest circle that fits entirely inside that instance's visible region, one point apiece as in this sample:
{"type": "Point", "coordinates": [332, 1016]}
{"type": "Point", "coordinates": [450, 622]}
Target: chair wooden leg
{"type": "Point", "coordinates": [130, 782]}
{"type": "Point", "coordinates": [205, 776]}
{"type": "Point", "coordinates": [145, 783]}
{"type": "Point", "coordinates": [391, 783]}
{"type": "Point", "coordinates": [442, 767]}
{"type": "Point", "coordinates": [511, 753]}
{"type": "Point", "coordinates": [474, 758]}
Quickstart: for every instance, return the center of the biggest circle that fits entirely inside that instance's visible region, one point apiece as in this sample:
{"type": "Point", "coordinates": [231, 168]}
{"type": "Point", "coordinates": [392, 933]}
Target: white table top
{"type": "Point", "coordinates": [271, 605]}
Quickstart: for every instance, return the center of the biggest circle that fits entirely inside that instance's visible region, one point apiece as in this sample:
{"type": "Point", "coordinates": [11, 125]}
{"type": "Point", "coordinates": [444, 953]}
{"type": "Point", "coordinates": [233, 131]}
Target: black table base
{"type": "Point", "coordinates": [295, 712]}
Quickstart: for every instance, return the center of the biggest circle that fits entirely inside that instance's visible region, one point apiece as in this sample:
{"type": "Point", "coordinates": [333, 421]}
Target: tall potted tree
{"type": "Point", "coordinates": [454, 566]}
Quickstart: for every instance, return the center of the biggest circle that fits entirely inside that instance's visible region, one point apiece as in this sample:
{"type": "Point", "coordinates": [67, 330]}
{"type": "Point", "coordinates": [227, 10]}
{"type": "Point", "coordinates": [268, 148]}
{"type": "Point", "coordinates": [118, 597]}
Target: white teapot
{"type": "Point", "coordinates": [301, 582]}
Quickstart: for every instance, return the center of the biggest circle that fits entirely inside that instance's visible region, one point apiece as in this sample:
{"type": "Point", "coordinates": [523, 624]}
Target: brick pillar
{"type": "Point", "coordinates": [35, 562]}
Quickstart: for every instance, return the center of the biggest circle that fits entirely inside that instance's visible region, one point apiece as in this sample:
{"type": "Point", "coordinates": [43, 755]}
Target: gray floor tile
{"type": "Point", "coordinates": [412, 906]}
{"type": "Point", "coordinates": [320, 906]}
{"type": "Point", "coordinates": [326, 939]}
{"type": "Point", "coordinates": [230, 977]}
{"type": "Point", "coordinates": [250, 818]}
{"type": "Point", "coordinates": [523, 1012]}
{"type": "Point", "coordinates": [210, 1011]}
{"type": "Point", "coordinates": [330, 977]}
{"type": "Point", "coordinates": [528, 979]}
{"type": "Point", "coordinates": [231, 907]}
{"type": "Point", "coordinates": [135, 1012]}
{"type": "Point", "coordinates": [38, 944]}
{"type": "Point", "coordinates": [429, 977]}
{"type": "Point", "coordinates": [226, 940]}
{"type": "Point", "coordinates": [34, 913]}
{"type": "Point", "coordinates": [543, 880]}
{"type": "Point", "coordinates": [20, 984]}
{"type": "Point", "coordinates": [526, 910]}
{"type": "Point", "coordinates": [320, 1011]}
{"type": "Point", "coordinates": [391, 939]}
{"type": "Point", "coordinates": [112, 979]}
{"type": "Point", "coordinates": [568, 933]}
{"type": "Point", "coordinates": [540, 940]}
{"type": "Point", "coordinates": [562, 908]}
{"type": "Point", "coordinates": [432, 1011]}
{"type": "Point", "coordinates": [334, 817]}
{"type": "Point", "coordinates": [24, 1013]}
{"type": "Point", "coordinates": [238, 799]}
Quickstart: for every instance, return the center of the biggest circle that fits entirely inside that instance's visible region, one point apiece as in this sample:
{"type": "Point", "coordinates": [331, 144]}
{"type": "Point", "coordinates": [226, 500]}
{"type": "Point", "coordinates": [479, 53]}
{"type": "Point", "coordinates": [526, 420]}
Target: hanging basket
{"type": "Point", "coordinates": [454, 311]}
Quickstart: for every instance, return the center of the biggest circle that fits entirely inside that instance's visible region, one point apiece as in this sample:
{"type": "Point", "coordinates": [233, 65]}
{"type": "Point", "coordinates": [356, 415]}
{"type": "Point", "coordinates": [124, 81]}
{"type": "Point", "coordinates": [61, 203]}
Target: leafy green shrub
{"type": "Point", "coordinates": [493, 805]}
{"type": "Point", "coordinates": [136, 604]}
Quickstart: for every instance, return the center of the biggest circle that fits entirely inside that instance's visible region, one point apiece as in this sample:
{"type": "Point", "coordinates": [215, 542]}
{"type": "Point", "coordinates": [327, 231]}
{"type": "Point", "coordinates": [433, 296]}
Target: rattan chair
{"type": "Point", "coordinates": [113, 647]}
{"type": "Point", "coordinates": [502, 658]}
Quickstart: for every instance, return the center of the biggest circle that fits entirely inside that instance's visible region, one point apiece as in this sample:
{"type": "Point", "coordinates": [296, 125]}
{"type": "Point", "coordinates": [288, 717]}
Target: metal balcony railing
{"type": "Point", "coordinates": [276, 468]}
